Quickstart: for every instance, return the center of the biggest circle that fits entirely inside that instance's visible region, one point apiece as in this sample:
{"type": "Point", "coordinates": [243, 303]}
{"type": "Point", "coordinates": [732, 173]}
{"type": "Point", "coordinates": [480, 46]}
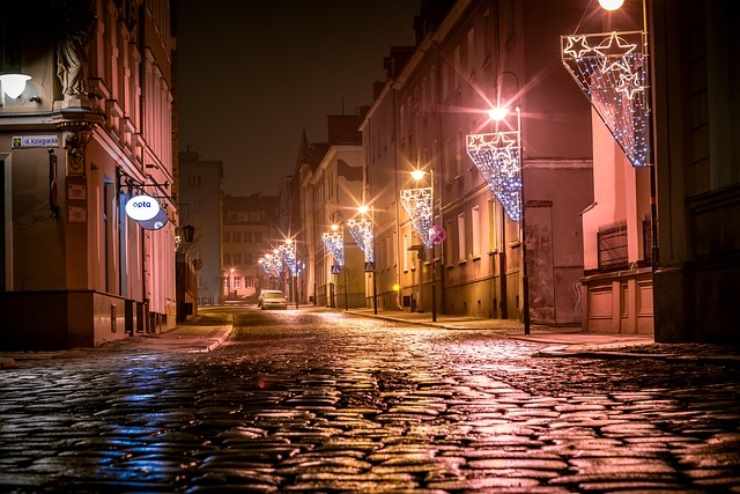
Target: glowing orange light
{"type": "Point", "coordinates": [418, 174]}
{"type": "Point", "coordinates": [611, 4]}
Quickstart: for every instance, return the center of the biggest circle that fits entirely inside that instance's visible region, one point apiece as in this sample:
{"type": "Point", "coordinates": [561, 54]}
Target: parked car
{"type": "Point", "coordinates": [272, 299]}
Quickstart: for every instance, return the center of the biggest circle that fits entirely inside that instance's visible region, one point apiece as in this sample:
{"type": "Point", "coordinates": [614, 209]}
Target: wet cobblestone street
{"type": "Point", "coordinates": [319, 401]}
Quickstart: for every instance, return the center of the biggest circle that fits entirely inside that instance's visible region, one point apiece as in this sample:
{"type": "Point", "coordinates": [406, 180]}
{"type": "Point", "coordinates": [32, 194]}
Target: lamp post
{"type": "Point", "coordinates": [611, 5]}
{"type": "Point", "coordinates": [417, 175]}
{"type": "Point", "coordinates": [499, 159]}
{"type": "Point", "coordinates": [289, 250]}
{"type": "Point", "coordinates": [363, 233]}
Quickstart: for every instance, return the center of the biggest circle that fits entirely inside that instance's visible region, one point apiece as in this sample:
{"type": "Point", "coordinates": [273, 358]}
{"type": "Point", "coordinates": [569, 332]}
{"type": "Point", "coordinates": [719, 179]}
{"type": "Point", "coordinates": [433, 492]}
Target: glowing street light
{"type": "Point", "coordinates": [14, 84]}
{"type": "Point", "coordinates": [334, 227]}
{"type": "Point", "coordinates": [363, 209]}
{"type": "Point", "coordinates": [498, 113]}
{"type": "Point", "coordinates": [611, 5]}
{"type": "Point", "coordinates": [419, 205]}
{"type": "Point", "coordinates": [418, 174]}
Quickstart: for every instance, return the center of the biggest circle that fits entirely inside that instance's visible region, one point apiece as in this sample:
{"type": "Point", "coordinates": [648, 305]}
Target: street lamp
{"type": "Point", "coordinates": [498, 113]}
{"type": "Point", "coordinates": [498, 157]}
{"type": "Point", "coordinates": [289, 249]}
{"type": "Point", "coordinates": [611, 5]}
{"type": "Point", "coordinates": [363, 233]}
{"type": "Point", "coordinates": [418, 175]}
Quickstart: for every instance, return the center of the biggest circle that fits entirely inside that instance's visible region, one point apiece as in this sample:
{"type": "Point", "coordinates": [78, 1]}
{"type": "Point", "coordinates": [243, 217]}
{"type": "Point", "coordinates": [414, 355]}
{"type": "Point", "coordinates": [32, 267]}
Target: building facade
{"type": "Point", "coordinates": [91, 127]}
{"type": "Point", "coordinates": [201, 206]}
{"type": "Point", "coordinates": [469, 58]}
{"type": "Point", "coordinates": [249, 230]}
{"type": "Point", "coordinates": [331, 177]}
{"type": "Point", "coordinates": [697, 162]}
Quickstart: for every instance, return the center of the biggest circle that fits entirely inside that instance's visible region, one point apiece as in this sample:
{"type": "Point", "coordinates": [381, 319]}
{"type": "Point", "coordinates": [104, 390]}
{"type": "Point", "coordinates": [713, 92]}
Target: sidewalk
{"type": "Point", "coordinates": [565, 339]}
{"type": "Point", "coordinates": [186, 338]}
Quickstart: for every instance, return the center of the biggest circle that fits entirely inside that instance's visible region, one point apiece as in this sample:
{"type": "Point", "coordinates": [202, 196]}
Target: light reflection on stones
{"type": "Point", "coordinates": [327, 402]}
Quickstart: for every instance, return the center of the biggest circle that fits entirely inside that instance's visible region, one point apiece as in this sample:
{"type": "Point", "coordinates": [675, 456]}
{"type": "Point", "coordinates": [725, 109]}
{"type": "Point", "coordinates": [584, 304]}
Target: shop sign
{"type": "Point", "coordinates": [142, 208]}
{"type": "Point", "coordinates": [156, 223]}
{"type": "Point", "coordinates": [37, 141]}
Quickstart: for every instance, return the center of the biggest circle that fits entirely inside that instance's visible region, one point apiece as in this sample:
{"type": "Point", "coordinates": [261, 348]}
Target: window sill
{"type": "Point", "coordinates": [476, 258]}
{"type": "Point", "coordinates": [461, 262]}
{"type": "Point", "coordinates": [515, 244]}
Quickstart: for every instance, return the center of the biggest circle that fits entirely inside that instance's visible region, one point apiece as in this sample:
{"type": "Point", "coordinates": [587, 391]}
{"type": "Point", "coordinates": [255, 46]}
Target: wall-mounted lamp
{"type": "Point", "coordinates": [14, 84]}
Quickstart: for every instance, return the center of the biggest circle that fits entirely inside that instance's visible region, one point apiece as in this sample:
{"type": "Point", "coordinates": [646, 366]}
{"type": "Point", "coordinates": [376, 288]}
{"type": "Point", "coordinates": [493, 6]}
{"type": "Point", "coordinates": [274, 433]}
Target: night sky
{"type": "Point", "coordinates": [249, 78]}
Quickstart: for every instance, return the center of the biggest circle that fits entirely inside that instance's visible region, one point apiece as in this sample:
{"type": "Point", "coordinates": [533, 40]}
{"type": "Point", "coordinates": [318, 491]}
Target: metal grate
{"type": "Point", "coordinates": [613, 247]}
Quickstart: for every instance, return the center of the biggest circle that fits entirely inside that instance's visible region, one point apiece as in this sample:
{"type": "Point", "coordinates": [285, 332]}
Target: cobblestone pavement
{"type": "Point", "coordinates": [325, 402]}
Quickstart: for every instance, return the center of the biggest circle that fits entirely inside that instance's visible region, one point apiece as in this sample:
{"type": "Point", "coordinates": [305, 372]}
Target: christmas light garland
{"type": "Point", "coordinates": [334, 243]}
{"type": "Point", "coordinates": [362, 233]}
{"type": "Point", "coordinates": [612, 70]}
{"type": "Point", "coordinates": [289, 257]}
{"type": "Point", "coordinates": [497, 156]}
{"type": "Point", "coordinates": [418, 206]}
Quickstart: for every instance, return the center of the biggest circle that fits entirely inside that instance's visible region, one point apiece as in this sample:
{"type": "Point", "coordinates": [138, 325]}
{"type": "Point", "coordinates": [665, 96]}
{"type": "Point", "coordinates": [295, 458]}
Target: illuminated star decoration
{"type": "Point", "coordinates": [577, 47]}
{"type": "Point", "coordinates": [362, 233]}
{"type": "Point", "coordinates": [498, 159]}
{"type": "Point", "coordinates": [418, 206]}
{"type": "Point", "coordinates": [334, 243]}
{"type": "Point", "coordinates": [613, 74]}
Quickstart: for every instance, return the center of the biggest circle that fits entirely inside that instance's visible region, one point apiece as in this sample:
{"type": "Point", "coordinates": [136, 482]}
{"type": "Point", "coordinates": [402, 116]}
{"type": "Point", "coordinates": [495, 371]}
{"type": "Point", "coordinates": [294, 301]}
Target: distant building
{"type": "Point", "coordinates": [201, 197]}
{"type": "Point", "coordinates": [91, 128]}
{"type": "Point", "coordinates": [331, 177]}
{"type": "Point", "coordinates": [249, 231]}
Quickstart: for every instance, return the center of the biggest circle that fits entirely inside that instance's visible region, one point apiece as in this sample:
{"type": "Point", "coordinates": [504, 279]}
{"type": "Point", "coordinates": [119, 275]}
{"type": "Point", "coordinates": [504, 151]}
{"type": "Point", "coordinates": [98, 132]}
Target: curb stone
{"type": "Point", "coordinates": [7, 363]}
{"type": "Point", "coordinates": [221, 340]}
{"type": "Point", "coordinates": [562, 352]}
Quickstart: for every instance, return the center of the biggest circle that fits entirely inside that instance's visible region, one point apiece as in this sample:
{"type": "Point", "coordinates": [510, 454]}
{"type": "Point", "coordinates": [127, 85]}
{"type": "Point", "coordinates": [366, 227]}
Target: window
{"type": "Point", "coordinates": [471, 49]}
{"type": "Point", "coordinates": [257, 237]}
{"type": "Point", "coordinates": [406, 252]}
{"type": "Point", "coordinates": [450, 254]}
{"type": "Point", "coordinates": [194, 180]}
{"type": "Point", "coordinates": [247, 258]}
{"type": "Point", "coordinates": [237, 282]}
{"type": "Point", "coordinates": [612, 243]}
{"type": "Point", "coordinates": [462, 252]}
{"type": "Point", "coordinates": [227, 237]}
{"type": "Point", "coordinates": [458, 154]}
{"type": "Point", "coordinates": [237, 237]}
{"type": "Point", "coordinates": [227, 259]}
{"type": "Point", "coordinates": [237, 258]}
{"type": "Point", "coordinates": [492, 230]}
{"type": "Point", "coordinates": [457, 67]}
{"type": "Point", "coordinates": [475, 223]}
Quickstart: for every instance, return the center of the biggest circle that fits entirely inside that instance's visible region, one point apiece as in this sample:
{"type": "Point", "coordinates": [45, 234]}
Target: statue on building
{"type": "Point", "coordinates": [71, 50]}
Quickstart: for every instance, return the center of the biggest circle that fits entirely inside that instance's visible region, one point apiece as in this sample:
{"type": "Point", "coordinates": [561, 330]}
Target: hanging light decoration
{"type": "Point", "coordinates": [289, 256]}
{"type": "Point", "coordinates": [362, 233]}
{"type": "Point", "coordinates": [612, 71]}
{"type": "Point", "coordinates": [497, 155]}
{"type": "Point", "coordinates": [334, 243]}
{"type": "Point", "coordinates": [418, 206]}
{"type": "Point", "coordinates": [272, 264]}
